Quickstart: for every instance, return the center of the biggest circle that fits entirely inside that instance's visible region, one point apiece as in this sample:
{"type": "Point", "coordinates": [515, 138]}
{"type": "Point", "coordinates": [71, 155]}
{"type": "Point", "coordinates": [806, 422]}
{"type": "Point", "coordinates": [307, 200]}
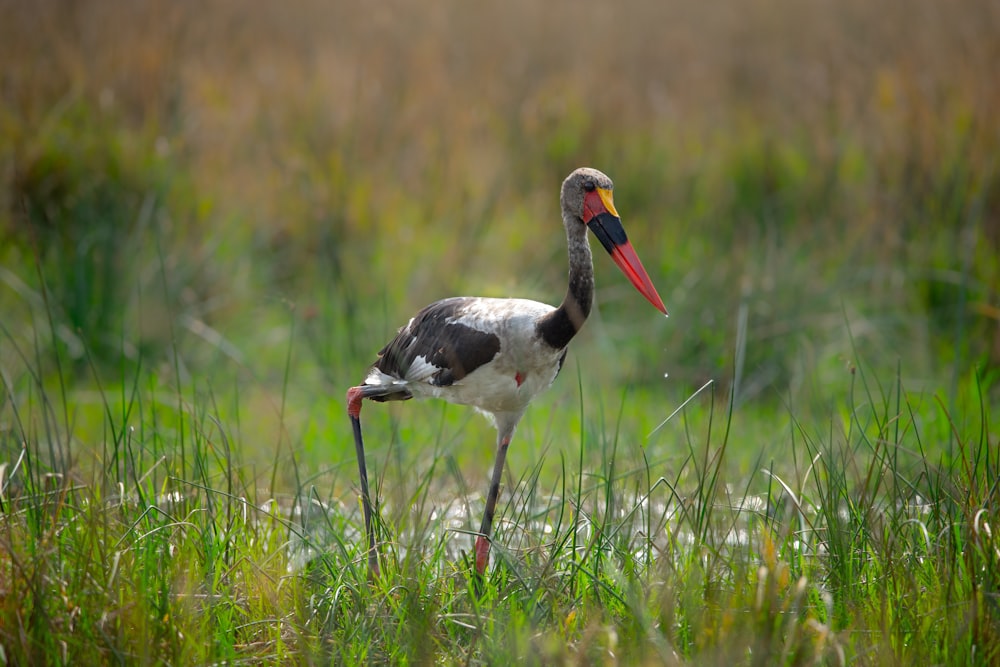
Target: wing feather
{"type": "Point", "coordinates": [438, 349]}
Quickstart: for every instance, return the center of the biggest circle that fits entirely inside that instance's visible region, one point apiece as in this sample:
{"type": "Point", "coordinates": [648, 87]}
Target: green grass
{"type": "Point", "coordinates": [203, 243]}
{"type": "Point", "coordinates": [862, 544]}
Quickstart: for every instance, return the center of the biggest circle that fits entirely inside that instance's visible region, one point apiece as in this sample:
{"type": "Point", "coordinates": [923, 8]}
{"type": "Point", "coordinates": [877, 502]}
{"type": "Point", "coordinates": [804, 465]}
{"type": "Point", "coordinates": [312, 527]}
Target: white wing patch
{"type": "Point", "coordinates": [421, 370]}
{"type": "Point", "coordinates": [496, 315]}
{"type": "Point", "coordinates": [380, 379]}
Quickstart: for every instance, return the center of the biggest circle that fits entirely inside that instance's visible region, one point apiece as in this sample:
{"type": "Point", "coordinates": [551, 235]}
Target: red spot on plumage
{"type": "Point", "coordinates": [519, 378]}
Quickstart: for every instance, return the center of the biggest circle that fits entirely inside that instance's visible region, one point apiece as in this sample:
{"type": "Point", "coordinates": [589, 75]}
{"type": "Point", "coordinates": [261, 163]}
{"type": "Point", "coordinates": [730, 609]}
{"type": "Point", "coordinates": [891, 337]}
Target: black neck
{"type": "Point", "coordinates": [558, 327]}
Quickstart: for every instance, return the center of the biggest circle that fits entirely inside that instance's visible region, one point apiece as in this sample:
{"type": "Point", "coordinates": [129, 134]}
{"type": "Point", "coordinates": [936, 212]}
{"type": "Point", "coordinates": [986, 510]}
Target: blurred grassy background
{"type": "Point", "coordinates": [256, 196]}
{"type": "Point", "coordinates": [212, 215]}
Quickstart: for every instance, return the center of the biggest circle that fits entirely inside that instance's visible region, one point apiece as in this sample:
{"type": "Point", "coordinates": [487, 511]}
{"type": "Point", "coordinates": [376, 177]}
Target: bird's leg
{"type": "Point", "coordinates": [354, 398]}
{"type": "Point", "coordinates": [483, 540]}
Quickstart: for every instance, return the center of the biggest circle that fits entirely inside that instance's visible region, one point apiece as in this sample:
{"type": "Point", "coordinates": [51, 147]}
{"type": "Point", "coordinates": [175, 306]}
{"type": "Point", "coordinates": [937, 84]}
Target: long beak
{"type": "Point", "coordinates": [600, 215]}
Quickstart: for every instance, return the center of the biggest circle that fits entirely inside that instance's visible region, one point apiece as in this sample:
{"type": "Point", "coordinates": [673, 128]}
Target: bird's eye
{"type": "Point", "coordinates": [589, 186]}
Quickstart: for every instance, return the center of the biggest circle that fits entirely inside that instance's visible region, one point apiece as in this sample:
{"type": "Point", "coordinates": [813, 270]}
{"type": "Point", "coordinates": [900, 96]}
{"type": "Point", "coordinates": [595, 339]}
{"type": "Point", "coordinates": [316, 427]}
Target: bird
{"type": "Point", "coordinates": [497, 354]}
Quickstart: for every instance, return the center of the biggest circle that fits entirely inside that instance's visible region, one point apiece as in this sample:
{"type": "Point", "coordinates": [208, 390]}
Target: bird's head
{"type": "Point", "coordinates": [586, 196]}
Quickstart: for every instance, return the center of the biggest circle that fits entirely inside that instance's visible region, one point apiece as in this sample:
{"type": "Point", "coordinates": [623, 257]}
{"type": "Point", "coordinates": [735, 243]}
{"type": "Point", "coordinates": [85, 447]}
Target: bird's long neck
{"type": "Point", "coordinates": [558, 327]}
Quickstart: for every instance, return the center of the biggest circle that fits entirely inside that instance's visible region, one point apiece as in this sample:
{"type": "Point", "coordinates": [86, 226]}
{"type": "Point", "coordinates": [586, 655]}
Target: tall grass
{"type": "Point", "coordinates": [209, 222]}
{"type": "Point", "coordinates": [869, 549]}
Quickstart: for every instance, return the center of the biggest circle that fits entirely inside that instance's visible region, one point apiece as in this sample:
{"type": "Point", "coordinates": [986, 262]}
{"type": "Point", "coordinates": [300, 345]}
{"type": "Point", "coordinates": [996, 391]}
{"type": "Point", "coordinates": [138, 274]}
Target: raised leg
{"type": "Point", "coordinates": [354, 397]}
{"type": "Point", "coordinates": [504, 434]}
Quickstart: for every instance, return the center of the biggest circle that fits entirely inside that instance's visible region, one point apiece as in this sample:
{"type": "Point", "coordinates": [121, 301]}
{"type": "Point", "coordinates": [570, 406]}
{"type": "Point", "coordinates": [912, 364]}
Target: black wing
{"type": "Point", "coordinates": [453, 349]}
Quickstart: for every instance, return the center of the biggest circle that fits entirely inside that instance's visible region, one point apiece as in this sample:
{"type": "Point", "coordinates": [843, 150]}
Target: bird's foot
{"type": "Point", "coordinates": [354, 396]}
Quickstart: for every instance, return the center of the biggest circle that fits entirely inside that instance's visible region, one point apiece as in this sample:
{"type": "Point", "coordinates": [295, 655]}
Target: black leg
{"type": "Point", "coordinates": [483, 540]}
{"type": "Point", "coordinates": [354, 396]}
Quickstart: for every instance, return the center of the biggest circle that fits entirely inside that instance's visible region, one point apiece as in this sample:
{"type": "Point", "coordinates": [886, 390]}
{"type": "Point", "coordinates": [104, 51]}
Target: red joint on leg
{"type": "Point", "coordinates": [354, 396]}
{"type": "Point", "coordinates": [482, 554]}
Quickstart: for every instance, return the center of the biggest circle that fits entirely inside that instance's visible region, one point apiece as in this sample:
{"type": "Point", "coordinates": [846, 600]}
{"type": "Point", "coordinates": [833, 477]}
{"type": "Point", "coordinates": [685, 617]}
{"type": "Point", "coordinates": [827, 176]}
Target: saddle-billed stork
{"type": "Point", "coordinates": [498, 354]}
